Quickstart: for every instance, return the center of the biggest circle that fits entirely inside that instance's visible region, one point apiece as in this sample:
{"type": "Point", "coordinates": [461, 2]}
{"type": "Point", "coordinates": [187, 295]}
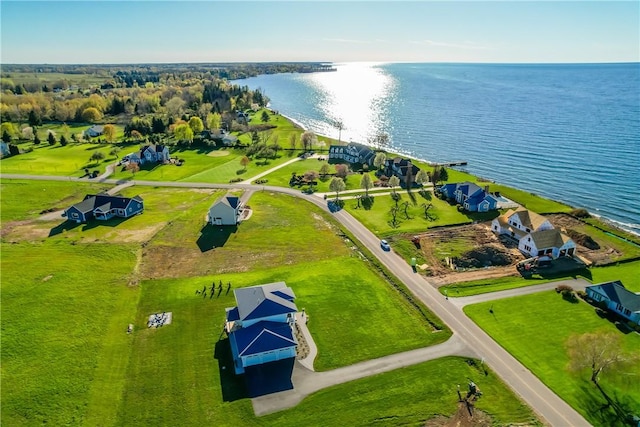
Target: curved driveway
{"type": "Point", "coordinates": [539, 397]}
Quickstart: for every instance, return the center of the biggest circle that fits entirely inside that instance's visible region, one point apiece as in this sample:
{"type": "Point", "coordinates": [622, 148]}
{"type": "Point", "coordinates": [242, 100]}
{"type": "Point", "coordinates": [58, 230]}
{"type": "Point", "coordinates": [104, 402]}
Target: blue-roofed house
{"type": "Point", "coordinates": [448, 189]}
{"type": "Point", "coordinates": [225, 211]}
{"type": "Point", "coordinates": [260, 327]}
{"type": "Point", "coordinates": [103, 207]}
{"type": "Point", "coordinates": [472, 197]}
{"type": "Point", "coordinates": [617, 298]}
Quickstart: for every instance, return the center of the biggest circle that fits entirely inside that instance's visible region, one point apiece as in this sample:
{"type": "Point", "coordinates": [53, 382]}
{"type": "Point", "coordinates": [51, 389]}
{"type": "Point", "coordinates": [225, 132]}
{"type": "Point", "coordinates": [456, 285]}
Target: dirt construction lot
{"type": "Point", "coordinates": [474, 252]}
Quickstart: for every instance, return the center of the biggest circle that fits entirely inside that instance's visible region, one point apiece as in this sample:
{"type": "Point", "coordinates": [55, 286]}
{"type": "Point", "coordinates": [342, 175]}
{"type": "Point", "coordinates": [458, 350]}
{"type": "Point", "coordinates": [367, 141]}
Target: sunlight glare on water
{"type": "Point", "coordinates": [357, 94]}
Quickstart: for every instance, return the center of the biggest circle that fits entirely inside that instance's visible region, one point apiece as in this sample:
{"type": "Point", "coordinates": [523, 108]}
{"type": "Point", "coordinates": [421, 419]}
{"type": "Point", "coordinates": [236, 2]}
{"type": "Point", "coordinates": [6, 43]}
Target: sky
{"type": "Point", "coordinates": [117, 32]}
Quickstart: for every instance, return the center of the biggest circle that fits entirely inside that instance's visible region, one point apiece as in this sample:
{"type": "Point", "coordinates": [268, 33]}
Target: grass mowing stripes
{"type": "Point", "coordinates": [535, 328]}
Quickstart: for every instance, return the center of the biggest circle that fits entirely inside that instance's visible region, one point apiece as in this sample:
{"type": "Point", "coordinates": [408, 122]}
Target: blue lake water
{"type": "Point", "coordinates": [569, 132]}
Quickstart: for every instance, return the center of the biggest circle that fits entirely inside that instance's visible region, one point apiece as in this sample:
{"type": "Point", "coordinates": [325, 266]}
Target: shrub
{"type": "Point", "coordinates": [580, 213]}
{"type": "Point", "coordinates": [564, 288]}
{"type": "Point", "coordinates": [569, 296]}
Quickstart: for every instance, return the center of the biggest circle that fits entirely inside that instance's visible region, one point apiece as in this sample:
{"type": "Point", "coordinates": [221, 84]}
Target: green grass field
{"type": "Point", "coordinates": [534, 328]}
{"type": "Point", "coordinates": [42, 195]}
{"type": "Point", "coordinates": [57, 160]}
{"type": "Point", "coordinates": [377, 217]}
{"type": "Point", "coordinates": [67, 358]}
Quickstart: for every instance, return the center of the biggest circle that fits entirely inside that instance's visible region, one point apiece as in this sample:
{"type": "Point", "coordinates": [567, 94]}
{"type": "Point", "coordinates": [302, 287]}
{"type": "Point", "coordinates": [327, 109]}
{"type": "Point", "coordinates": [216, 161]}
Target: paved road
{"type": "Point", "coordinates": [576, 284]}
{"type": "Point", "coordinates": [539, 397]}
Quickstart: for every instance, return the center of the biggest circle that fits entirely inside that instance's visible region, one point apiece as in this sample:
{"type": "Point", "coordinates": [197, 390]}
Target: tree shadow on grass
{"type": "Point", "coordinates": [601, 406]}
{"type": "Point", "coordinates": [233, 386]}
{"type": "Point", "coordinates": [214, 236]}
{"type": "Point", "coordinates": [367, 202]}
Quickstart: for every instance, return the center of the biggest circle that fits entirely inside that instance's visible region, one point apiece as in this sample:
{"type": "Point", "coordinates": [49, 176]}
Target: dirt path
{"type": "Point", "coordinates": [467, 276]}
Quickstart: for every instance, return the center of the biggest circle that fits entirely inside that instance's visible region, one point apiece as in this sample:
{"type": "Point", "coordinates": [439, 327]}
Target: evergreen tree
{"type": "Point", "coordinates": [34, 120]}
{"type": "Point", "coordinates": [51, 139]}
{"type": "Point", "coordinates": [6, 137]}
{"type": "Point", "coordinates": [36, 139]}
{"type": "Point", "coordinates": [63, 140]}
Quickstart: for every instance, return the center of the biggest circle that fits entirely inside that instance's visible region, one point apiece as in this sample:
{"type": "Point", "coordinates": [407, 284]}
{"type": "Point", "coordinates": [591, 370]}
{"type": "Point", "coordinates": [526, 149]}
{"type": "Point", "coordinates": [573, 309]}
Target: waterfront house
{"type": "Point", "coordinates": [550, 242]}
{"type": "Point", "coordinates": [534, 233]}
{"type": "Point", "coordinates": [470, 196]}
{"type": "Point", "coordinates": [225, 211]}
{"type": "Point", "coordinates": [403, 168]}
{"type": "Point", "coordinates": [103, 207]}
{"type": "Point", "coordinates": [617, 298]}
{"type": "Point", "coordinates": [260, 327]}
{"type": "Point", "coordinates": [517, 223]}
{"type": "Point", "coordinates": [351, 153]}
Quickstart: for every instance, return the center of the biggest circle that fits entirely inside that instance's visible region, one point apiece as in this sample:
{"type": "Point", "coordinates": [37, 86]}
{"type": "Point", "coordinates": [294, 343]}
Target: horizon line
{"type": "Point", "coordinates": [315, 62]}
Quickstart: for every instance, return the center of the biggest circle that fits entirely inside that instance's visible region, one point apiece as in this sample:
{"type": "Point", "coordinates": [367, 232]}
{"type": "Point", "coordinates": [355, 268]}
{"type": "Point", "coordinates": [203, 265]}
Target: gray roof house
{"type": "Point", "coordinates": [103, 207]}
{"type": "Point", "coordinates": [95, 130]}
{"type": "Point", "coordinates": [352, 153]}
{"type": "Point", "coordinates": [225, 211]}
{"type": "Point", "coordinates": [618, 299]}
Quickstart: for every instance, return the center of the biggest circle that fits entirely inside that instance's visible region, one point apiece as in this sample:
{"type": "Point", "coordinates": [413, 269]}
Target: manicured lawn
{"type": "Point", "coordinates": [65, 310]}
{"type": "Point", "coordinates": [186, 358]}
{"type": "Point", "coordinates": [41, 195]}
{"type": "Point", "coordinates": [406, 396]}
{"type": "Point", "coordinates": [535, 328]}
{"type": "Point", "coordinates": [232, 169]}
{"type": "Point", "coordinates": [378, 217]}
{"type": "Point", "coordinates": [57, 160]}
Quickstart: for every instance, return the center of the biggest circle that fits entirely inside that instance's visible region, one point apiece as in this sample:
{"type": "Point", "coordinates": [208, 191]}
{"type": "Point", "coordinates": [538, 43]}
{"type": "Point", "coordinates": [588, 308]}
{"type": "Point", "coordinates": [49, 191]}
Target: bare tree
{"type": "Point", "coordinates": [293, 140]}
{"type": "Point", "coordinates": [406, 209]}
{"type": "Point", "coordinates": [599, 352]}
{"type": "Point", "coordinates": [380, 140]}
{"type": "Point", "coordinates": [339, 125]}
{"type": "Point", "coordinates": [308, 140]}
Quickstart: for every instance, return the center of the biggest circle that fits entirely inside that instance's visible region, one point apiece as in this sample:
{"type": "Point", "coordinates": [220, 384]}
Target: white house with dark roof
{"type": "Point", "coordinates": [225, 211]}
{"type": "Point", "coordinates": [617, 298]}
{"type": "Point", "coordinates": [260, 327]}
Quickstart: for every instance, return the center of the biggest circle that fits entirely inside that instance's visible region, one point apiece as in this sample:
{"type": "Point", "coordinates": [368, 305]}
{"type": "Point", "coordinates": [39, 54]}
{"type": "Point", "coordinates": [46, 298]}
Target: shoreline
{"type": "Point", "coordinates": [625, 227]}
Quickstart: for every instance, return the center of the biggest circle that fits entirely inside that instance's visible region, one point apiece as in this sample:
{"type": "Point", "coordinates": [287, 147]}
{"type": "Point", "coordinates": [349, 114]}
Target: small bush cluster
{"type": "Point", "coordinates": [580, 213]}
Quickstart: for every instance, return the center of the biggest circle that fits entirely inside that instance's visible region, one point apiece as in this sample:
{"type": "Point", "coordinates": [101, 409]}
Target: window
{"type": "Point", "coordinates": [627, 312]}
{"type": "Point", "coordinates": [75, 215]}
{"type": "Point", "coordinates": [619, 307]}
